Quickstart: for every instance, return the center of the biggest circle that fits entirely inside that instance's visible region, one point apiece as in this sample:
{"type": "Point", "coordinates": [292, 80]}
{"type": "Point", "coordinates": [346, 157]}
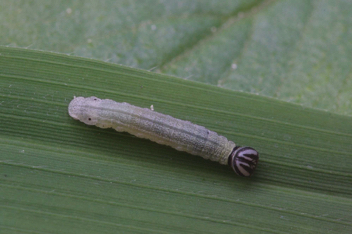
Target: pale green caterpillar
{"type": "Point", "coordinates": [164, 129]}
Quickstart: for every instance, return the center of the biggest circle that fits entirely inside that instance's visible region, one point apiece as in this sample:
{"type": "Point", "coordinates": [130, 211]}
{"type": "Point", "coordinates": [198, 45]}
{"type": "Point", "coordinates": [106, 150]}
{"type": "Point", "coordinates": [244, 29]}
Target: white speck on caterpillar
{"type": "Point", "coordinates": [68, 10]}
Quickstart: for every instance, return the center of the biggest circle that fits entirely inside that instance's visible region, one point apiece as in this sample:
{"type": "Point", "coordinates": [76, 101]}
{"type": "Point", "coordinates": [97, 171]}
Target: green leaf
{"type": "Point", "coordinates": [61, 176]}
{"type": "Point", "coordinates": [298, 51]}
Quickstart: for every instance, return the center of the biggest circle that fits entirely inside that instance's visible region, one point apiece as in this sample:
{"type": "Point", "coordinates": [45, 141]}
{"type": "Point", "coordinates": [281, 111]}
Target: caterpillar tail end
{"type": "Point", "coordinates": [243, 160]}
{"type": "Point", "coordinates": [74, 107]}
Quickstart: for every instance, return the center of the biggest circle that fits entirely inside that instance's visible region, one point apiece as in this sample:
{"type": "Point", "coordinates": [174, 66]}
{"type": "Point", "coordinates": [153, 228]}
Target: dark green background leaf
{"type": "Point", "coordinates": [297, 51]}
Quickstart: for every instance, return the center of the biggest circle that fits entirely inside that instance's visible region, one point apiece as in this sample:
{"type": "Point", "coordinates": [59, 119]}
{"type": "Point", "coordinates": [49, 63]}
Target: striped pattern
{"type": "Point", "coordinates": [243, 160]}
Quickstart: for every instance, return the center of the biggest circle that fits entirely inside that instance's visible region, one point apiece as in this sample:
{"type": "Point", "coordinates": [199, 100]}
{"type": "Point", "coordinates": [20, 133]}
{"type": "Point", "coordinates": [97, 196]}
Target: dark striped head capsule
{"type": "Point", "coordinates": [243, 160]}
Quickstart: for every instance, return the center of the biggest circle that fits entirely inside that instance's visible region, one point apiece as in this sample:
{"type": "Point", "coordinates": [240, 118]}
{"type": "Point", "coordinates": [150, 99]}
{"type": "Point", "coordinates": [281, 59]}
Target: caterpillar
{"type": "Point", "coordinates": [164, 129]}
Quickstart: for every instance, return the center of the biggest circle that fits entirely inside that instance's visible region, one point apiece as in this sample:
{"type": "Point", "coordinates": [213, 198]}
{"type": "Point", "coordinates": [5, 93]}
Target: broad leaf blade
{"type": "Point", "coordinates": [59, 175]}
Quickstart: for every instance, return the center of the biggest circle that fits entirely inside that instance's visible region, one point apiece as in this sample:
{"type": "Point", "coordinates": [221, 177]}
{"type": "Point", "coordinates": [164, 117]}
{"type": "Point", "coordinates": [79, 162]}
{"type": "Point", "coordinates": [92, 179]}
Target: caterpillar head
{"type": "Point", "coordinates": [243, 160]}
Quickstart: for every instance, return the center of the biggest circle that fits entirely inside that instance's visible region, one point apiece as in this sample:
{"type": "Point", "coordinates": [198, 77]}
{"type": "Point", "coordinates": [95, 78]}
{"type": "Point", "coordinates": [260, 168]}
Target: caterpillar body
{"type": "Point", "coordinates": [164, 129]}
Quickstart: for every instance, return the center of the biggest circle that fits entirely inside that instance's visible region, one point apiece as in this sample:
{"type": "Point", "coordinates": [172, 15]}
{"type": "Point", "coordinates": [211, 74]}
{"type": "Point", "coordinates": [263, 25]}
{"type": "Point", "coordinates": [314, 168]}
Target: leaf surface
{"type": "Point", "coordinates": [61, 176]}
{"type": "Point", "coordinates": [296, 51]}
